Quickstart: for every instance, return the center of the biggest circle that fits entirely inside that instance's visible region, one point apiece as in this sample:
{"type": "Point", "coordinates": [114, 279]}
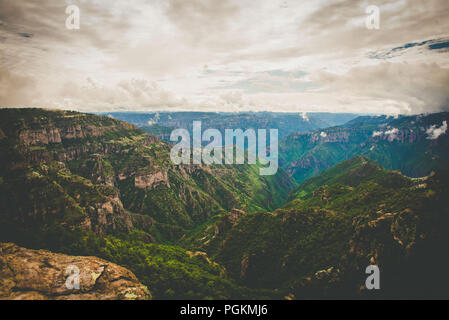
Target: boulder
{"type": "Point", "coordinates": [27, 274]}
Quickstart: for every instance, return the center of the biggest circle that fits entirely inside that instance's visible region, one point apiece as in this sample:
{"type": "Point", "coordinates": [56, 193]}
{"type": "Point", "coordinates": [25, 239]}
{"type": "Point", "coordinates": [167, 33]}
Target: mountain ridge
{"type": "Point", "coordinates": [221, 232]}
{"type": "Point", "coordinates": [402, 143]}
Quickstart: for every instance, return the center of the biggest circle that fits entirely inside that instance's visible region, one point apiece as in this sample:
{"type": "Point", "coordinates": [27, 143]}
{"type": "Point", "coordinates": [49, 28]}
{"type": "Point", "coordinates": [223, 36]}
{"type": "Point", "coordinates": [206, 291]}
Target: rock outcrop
{"type": "Point", "coordinates": [109, 217]}
{"type": "Point", "coordinates": [152, 180]}
{"type": "Point", "coordinates": [228, 221]}
{"type": "Point", "coordinates": [42, 275]}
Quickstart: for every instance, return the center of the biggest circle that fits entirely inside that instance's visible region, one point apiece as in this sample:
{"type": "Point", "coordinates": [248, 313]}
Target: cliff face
{"type": "Point", "coordinates": [60, 126]}
{"type": "Point", "coordinates": [151, 180]}
{"type": "Point", "coordinates": [54, 170]}
{"type": "Point", "coordinates": [42, 275]}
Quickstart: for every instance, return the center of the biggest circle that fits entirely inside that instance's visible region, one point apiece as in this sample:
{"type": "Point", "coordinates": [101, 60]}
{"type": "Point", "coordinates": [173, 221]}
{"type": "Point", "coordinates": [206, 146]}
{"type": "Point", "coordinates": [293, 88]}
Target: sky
{"type": "Point", "coordinates": [226, 55]}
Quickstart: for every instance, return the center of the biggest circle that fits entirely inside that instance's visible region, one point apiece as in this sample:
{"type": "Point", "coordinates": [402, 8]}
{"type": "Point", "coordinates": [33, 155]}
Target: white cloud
{"type": "Point", "coordinates": [392, 134]}
{"type": "Point", "coordinates": [304, 116]}
{"type": "Point", "coordinates": [404, 87]}
{"type": "Point", "coordinates": [434, 132]}
{"type": "Point", "coordinates": [134, 94]}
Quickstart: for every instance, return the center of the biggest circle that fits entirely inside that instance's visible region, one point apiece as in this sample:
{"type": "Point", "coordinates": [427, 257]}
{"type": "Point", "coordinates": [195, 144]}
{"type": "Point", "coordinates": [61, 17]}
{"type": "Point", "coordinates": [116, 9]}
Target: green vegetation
{"type": "Point", "coordinates": [70, 183]}
{"type": "Point", "coordinates": [397, 144]}
{"type": "Point", "coordinates": [89, 185]}
{"type": "Point", "coordinates": [340, 220]}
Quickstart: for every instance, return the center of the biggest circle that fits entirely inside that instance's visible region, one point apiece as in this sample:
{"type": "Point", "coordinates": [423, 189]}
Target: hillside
{"type": "Point", "coordinates": [90, 185]}
{"type": "Point", "coordinates": [87, 185]}
{"type": "Point", "coordinates": [108, 175]}
{"type": "Point", "coordinates": [416, 145]}
{"type": "Point", "coordinates": [336, 224]}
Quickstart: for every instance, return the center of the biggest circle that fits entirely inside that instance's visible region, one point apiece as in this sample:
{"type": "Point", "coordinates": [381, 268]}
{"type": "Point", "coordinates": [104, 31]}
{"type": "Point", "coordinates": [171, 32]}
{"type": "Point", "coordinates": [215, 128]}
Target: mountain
{"type": "Point", "coordinates": [41, 275]}
{"type": "Point", "coordinates": [162, 123]}
{"type": "Point", "coordinates": [108, 176]}
{"type": "Point", "coordinates": [89, 185]}
{"type": "Point", "coordinates": [336, 224]}
{"type": "Point", "coordinates": [416, 145]}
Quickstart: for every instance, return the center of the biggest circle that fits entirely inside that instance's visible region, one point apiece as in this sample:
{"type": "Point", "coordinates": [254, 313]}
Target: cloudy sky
{"type": "Point", "coordinates": [226, 55]}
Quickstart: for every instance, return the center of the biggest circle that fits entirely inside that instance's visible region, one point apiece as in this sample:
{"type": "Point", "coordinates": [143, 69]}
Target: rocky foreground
{"type": "Point", "coordinates": [42, 275]}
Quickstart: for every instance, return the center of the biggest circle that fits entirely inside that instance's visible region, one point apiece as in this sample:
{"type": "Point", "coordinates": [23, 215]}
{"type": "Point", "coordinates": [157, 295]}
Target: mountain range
{"type": "Point", "coordinates": [372, 190]}
{"type": "Point", "coordinates": [161, 124]}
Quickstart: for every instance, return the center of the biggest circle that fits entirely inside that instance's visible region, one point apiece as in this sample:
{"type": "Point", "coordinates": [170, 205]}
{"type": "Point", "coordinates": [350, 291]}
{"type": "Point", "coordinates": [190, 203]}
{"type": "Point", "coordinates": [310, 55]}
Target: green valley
{"type": "Point", "coordinates": [88, 185]}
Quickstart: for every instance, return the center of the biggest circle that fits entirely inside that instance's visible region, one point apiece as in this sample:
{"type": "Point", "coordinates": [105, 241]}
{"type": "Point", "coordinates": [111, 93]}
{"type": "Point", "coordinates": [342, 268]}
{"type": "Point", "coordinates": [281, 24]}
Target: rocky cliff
{"type": "Point", "coordinates": [42, 275]}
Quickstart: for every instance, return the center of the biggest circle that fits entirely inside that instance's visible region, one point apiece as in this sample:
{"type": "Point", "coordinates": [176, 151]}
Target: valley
{"type": "Point", "coordinates": [88, 185]}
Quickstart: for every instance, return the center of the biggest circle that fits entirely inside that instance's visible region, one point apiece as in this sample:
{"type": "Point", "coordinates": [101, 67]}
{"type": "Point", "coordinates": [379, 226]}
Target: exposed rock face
{"type": "Point", "coordinates": [149, 140]}
{"type": "Point", "coordinates": [332, 137]}
{"type": "Point", "coordinates": [366, 240]}
{"type": "Point", "coordinates": [109, 217]}
{"type": "Point", "coordinates": [56, 134]}
{"type": "Point", "coordinates": [43, 136]}
{"type": "Point", "coordinates": [402, 136]}
{"type": "Point", "coordinates": [228, 221]}
{"type": "Point", "coordinates": [234, 215]}
{"type": "Point", "coordinates": [152, 180]}
{"type": "Point", "coordinates": [41, 275]}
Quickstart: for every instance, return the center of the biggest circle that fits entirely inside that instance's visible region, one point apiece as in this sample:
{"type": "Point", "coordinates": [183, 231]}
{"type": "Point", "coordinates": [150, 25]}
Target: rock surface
{"type": "Point", "coordinates": [152, 180]}
{"type": "Point", "coordinates": [27, 274]}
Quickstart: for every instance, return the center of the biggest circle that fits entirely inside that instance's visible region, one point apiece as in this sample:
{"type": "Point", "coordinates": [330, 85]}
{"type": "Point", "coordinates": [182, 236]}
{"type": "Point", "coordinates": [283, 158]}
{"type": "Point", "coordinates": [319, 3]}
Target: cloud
{"type": "Point", "coordinates": [202, 21]}
{"type": "Point", "coordinates": [277, 81]}
{"type": "Point", "coordinates": [305, 117]}
{"type": "Point", "coordinates": [16, 90]}
{"type": "Point", "coordinates": [416, 47]}
{"type": "Point", "coordinates": [391, 134]}
{"type": "Point", "coordinates": [406, 87]}
{"type": "Point", "coordinates": [238, 55]}
{"type": "Point", "coordinates": [134, 94]}
{"type": "Point", "coordinates": [434, 132]}
{"type": "Point", "coordinates": [102, 26]}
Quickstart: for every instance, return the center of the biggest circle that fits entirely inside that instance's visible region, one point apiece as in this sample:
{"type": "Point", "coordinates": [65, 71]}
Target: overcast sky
{"type": "Point", "coordinates": [226, 55]}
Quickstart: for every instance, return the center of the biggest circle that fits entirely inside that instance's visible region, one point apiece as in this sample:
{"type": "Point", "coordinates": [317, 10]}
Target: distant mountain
{"type": "Point", "coordinates": [416, 145]}
{"type": "Point", "coordinates": [162, 123]}
{"type": "Point", "coordinates": [336, 224]}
